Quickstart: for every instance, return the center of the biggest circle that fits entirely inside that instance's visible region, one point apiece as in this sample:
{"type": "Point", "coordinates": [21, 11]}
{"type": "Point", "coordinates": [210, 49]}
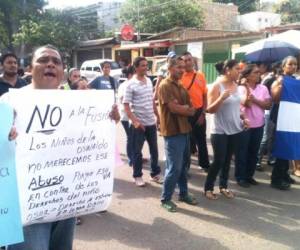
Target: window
{"type": "Point", "coordinates": [97, 69]}
{"type": "Point", "coordinates": [107, 53]}
{"type": "Point", "coordinates": [82, 68]}
{"type": "Point", "coordinates": [114, 65]}
{"type": "Point", "coordinates": [89, 68]}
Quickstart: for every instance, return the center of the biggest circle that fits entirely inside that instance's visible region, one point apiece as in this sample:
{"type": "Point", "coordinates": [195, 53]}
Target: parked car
{"type": "Point", "coordinates": [93, 68]}
{"type": "Point", "coordinates": [154, 64]}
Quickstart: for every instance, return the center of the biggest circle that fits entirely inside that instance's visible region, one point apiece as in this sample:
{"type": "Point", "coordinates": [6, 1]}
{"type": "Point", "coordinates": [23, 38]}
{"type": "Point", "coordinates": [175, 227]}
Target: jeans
{"type": "Point", "coordinates": [199, 135]}
{"type": "Point", "coordinates": [246, 158]}
{"type": "Point", "coordinates": [280, 171]}
{"type": "Point", "coordinates": [128, 142]}
{"type": "Point", "coordinates": [177, 150]}
{"type": "Point", "coordinates": [138, 139]}
{"type": "Point", "coordinates": [47, 236]}
{"type": "Point", "coordinates": [223, 147]}
{"type": "Point", "coordinates": [267, 139]}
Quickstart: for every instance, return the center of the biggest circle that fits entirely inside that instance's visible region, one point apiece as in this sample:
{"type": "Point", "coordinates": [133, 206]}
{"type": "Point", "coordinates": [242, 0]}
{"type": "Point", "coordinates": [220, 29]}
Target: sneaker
{"type": "Point", "coordinates": [252, 181]}
{"type": "Point", "coordinates": [170, 206]}
{"type": "Point", "coordinates": [157, 178]}
{"type": "Point", "coordinates": [139, 182]}
{"type": "Point", "coordinates": [188, 199]}
{"type": "Point", "coordinates": [243, 184]}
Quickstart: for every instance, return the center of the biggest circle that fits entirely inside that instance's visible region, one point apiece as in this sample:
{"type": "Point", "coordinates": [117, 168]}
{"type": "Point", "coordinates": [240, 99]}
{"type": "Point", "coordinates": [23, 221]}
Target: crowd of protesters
{"type": "Point", "coordinates": [242, 102]}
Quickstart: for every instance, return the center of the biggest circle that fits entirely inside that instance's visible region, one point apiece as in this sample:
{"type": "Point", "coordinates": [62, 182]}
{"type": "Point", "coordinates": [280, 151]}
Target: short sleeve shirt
{"type": "Point", "coordinates": [140, 95]}
{"type": "Point", "coordinates": [172, 124]}
{"type": "Point", "coordinates": [254, 113]}
{"type": "Point", "coordinates": [5, 86]}
{"type": "Point", "coordinates": [102, 82]}
{"type": "Point", "coordinates": [197, 90]}
{"type": "Point", "coordinates": [121, 94]}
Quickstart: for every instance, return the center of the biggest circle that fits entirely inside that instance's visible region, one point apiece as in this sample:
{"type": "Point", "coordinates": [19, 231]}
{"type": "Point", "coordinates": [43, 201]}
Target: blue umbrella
{"type": "Point", "coordinates": [274, 48]}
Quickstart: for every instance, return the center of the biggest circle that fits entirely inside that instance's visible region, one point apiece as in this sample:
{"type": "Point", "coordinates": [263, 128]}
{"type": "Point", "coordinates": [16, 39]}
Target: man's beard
{"type": "Point", "coordinates": [10, 74]}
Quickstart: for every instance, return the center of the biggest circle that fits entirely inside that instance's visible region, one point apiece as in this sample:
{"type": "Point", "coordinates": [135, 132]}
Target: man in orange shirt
{"type": "Point", "coordinates": [194, 82]}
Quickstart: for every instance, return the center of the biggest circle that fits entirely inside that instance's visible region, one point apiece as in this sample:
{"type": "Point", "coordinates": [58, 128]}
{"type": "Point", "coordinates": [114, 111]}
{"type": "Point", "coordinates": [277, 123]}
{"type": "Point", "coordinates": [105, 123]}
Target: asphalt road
{"type": "Point", "coordinates": [257, 218]}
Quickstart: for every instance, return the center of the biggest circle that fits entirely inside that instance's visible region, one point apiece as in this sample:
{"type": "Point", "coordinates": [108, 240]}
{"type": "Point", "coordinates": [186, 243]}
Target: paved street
{"type": "Point", "coordinates": [258, 218]}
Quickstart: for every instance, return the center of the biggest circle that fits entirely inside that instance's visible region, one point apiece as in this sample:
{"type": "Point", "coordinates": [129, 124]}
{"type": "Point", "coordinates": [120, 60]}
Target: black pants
{"type": "Point", "coordinates": [247, 153]}
{"type": "Point", "coordinates": [280, 171]}
{"type": "Point", "coordinates": [223, 146]}
{"type": "Point", "coordinates": [199, 137]}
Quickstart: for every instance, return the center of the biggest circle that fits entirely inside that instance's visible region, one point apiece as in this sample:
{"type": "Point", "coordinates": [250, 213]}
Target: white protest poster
{"type": "Point", "coordinates": [65, 153]}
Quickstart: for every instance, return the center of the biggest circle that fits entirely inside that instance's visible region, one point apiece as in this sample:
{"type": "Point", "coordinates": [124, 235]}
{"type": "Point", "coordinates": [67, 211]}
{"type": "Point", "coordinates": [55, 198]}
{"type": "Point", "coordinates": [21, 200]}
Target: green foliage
{"type": "Point", "coordinates": [11, 14]}
{"type": "Point", "coordinates": [245, 6]}
{"type": "Point", "coordinates": [289, 10]}
{"type": "Point", "coordinates": [58, 28]}
{"type": "Point", "coordinates": [156, 16]}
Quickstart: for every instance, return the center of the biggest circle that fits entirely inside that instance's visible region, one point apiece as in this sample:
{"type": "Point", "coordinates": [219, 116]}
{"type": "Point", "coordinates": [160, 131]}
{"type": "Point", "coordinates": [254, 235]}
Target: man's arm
{"type": "Point", "coordinates": [136, 123]}
{"type": "Point", "coordinates": [184, 110]}
{"type": "Point", "coordinates": [166, 98]}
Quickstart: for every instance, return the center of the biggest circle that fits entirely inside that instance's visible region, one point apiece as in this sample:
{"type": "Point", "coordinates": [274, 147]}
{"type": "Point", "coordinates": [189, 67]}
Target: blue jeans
{"type": "Point", "coordinates": [223, 146]}
{"type": "Point", "coordinates": [177, 150]}
{"type": "Point", "coordinates": [267, 140]}
{"type": "Point", "coordinates": [126, 127]}
{"type": "Point", "coordinates": [47, 236]}
{"type": "Point", "coordinates": [138, 138]}
{"type": "Point", "coordinates": [247, 153]}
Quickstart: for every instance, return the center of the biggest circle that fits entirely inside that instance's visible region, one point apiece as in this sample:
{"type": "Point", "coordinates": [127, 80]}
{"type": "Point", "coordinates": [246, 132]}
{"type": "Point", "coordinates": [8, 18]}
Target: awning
{"type": "Point", "coordinates": [97, 42]}
{"type": "Point", "coordinates": [147, 44]}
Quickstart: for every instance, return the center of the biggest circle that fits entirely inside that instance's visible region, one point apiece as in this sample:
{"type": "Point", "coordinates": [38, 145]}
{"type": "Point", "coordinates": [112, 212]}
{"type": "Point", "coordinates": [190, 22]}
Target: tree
{"type": "Point", "coordinates": [58, 28]}
{"type": "Point", "coordinates": [11, 14]}
{"type": "Point", "coordinates": [289, 10]}
{"type": "Point", "coordinates": [245, 6]}
{"type": "Point", "coordinates": [156, 16]}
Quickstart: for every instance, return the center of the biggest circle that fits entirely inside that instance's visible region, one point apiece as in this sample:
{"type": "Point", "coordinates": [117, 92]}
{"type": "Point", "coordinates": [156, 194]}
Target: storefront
{"type": "Point", "coordinates": [128, 51]}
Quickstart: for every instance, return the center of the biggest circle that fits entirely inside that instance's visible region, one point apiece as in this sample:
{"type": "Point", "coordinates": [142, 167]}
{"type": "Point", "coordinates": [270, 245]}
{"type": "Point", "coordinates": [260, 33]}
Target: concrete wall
{"type": "Point", "coordinates": [219, 16]}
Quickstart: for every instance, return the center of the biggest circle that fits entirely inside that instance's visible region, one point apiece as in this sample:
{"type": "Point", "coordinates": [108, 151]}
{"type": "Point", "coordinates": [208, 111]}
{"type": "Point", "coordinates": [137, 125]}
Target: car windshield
{"type": "Point", "coordinates": [114, 65]}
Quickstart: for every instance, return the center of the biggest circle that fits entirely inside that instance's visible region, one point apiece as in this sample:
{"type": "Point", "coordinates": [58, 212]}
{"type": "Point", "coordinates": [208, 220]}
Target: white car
{"type": "Point", "coordinates": [93, 68]}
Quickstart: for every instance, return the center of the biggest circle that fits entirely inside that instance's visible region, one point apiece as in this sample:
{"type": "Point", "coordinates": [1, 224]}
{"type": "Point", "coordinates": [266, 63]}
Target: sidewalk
{"type": "Point", "coordinates": [258, 218]}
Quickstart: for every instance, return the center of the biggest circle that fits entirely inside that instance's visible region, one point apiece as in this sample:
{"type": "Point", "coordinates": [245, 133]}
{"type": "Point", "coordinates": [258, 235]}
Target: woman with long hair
{"type": "Point", "coordinates": [280, 178]}
{"type": "Point", "coordinates": [255, 98]}
{"type": "Point", "coordinates": [227, 124]}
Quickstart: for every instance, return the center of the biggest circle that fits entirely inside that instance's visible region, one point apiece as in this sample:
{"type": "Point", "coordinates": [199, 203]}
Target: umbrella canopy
{"type": "Point", "coordinates": [274, 48]}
